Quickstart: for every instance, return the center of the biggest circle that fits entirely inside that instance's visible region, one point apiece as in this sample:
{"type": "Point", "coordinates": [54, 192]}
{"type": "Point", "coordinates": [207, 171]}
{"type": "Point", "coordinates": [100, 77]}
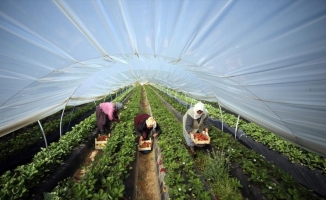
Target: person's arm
{"type": "Point", "coordinates": [157, 130]}
{"type": "Point", "coordinates": [116, 116]}
{"type": "Point", "coordinates": [139, 129]}
{"type": "Point", "coordinates": [206, 123]}
{"type": "Point", "coordinates": [188, 124]}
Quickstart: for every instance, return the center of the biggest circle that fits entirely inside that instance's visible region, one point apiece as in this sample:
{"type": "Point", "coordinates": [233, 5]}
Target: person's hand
{"type": "Point", "coordinates": [155, 134]}
{"type": "Point", "coordinates": [191, 135]}
{"type": "Point", "coordinates": [141, 138]}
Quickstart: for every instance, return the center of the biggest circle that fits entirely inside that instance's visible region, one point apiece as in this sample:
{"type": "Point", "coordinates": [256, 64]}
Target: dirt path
{"type": "Point", "coordinates": [147, 188]}
{"type": "Point", "coordinates": [147, 178]}
{"type": "Point", "coordinates": [89, 159]}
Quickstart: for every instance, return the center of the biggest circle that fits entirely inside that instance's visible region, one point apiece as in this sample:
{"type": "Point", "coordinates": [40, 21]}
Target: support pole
{"type": "Point", "coordinates": [236, 128]}
{"type": "Point", "coordinates": [62, 118]}
{"type": "Point", "coordinates": [72, 113]}
{"type": "Point", "coordinates": [46, 143]}
{"type": "Point", "coordinates": [61, 122]}
{"type": "Point", "coordinates": [221, 115]}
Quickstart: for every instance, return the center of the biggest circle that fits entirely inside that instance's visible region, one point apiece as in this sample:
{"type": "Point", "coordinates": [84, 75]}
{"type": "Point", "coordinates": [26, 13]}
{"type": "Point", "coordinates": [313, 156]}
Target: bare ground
{"type": "Point", "coordinates": [89, 159]}
{"type": "Point", "coordinates": [147, 177]}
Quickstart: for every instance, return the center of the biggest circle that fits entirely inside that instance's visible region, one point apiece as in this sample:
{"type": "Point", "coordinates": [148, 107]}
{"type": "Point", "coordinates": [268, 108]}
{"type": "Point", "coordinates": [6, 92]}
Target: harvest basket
{"type": "Point", "coordinates": [143, 147]}
{"type": "Point", "coordinates": [198, 141]}
{"type": "Point", "coordinates": [100, 144]}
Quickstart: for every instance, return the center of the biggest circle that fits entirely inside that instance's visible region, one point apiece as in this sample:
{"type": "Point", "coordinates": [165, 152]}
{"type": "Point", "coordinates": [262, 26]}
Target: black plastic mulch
{"type": "Point", "coordinates": [311, 179]}
{"type": "Point", "coordinates": [27, 155]}
{"type": "Point", "coordinates": [66, 169]}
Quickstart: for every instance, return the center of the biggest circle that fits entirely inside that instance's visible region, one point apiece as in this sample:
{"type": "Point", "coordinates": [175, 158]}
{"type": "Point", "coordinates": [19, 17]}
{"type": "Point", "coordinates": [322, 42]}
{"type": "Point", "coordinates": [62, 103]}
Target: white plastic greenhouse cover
{"type": "Point", "coordinates": [262, 59]}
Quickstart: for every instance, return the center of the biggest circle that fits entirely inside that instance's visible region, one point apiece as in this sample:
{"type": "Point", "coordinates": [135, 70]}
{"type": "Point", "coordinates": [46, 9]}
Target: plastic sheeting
{"type": "Point", "coordinates": [262, 59]}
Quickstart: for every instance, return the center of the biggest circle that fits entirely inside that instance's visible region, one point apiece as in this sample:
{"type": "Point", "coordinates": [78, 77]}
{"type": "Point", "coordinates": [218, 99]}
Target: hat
{"type": "Point", "coordinates": [150, 122]}
{"type": "Point", "coordinates": [199, 106]}
{"type": "Point", "coordinates": [118, 105]}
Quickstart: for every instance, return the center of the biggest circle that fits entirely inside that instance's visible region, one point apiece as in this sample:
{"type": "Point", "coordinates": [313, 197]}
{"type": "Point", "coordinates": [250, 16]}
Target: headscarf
{"type": "Point", "coordinates": [150, 122]}
{"type": "Point", "coordinates": [198, 106]}
{"type": "Point", "coordinates": [118, 105]}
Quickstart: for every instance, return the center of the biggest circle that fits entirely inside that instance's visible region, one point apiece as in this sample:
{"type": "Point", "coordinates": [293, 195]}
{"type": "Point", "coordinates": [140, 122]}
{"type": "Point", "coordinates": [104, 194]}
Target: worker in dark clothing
{"type": "Point", "coordinates": [144, 125]}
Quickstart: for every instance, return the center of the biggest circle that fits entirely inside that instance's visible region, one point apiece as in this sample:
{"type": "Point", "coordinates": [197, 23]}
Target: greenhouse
{"type": "Point", "coordinates": [257, 67]}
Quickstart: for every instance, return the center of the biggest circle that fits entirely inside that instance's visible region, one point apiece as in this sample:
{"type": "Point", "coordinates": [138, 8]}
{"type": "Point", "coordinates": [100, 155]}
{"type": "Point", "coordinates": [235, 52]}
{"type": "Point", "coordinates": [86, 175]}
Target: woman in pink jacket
{"type": "Point", "coordinates": [105, 114]}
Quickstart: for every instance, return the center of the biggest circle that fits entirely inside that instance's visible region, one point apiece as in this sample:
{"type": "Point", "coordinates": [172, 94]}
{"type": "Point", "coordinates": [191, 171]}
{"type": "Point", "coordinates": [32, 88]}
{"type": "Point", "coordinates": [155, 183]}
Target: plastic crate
{"type": "Point", "coordinates": [145, 148]}
{"type": "Point", "coordinates": [100, 144]}
{"type": "Point", "coordinates": [196, 141]}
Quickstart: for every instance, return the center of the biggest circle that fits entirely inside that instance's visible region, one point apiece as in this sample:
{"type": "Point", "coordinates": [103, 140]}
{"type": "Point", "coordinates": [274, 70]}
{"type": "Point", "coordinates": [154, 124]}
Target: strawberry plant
{"type": "Point", "coordinates": [274, 142]}
{"type": "Point", "coordinates": [44, 162]}
{"type": "Point", "coordinates": [107, 172]}
{"type": "Point", "coordinates": [176, 160]}
{"type": "Point", "coordinates": [253, 163]}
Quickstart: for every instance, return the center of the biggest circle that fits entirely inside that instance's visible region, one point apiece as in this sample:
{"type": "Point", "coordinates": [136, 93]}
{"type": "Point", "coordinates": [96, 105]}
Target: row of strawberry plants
{"type": "Point", "coordinates": [273, 182]}
{"type": "Point", "coordinates": [17, 144]}
{"type": "Point", "coordinates": [32, 136]}
{"type": "Point", "coordinates": [215, 171]}
{"type": "Point", "coordinates": [221, 185]}
{"type": "Point", "coordinates": [16, 183]}
{"type": "Point", "coordinates": [294, 153]}
{"type": "Point", "coordinates": [181, 180]}
{"type": "Point", "coordinates": [104, 176]}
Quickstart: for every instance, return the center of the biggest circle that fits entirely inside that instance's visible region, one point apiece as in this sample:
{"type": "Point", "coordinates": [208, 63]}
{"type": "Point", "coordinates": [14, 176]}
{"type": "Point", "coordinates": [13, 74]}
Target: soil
{"type": "Point", "coordinates": [89, 159]}
{"type": "Point", "coordinates": [147, 178]}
